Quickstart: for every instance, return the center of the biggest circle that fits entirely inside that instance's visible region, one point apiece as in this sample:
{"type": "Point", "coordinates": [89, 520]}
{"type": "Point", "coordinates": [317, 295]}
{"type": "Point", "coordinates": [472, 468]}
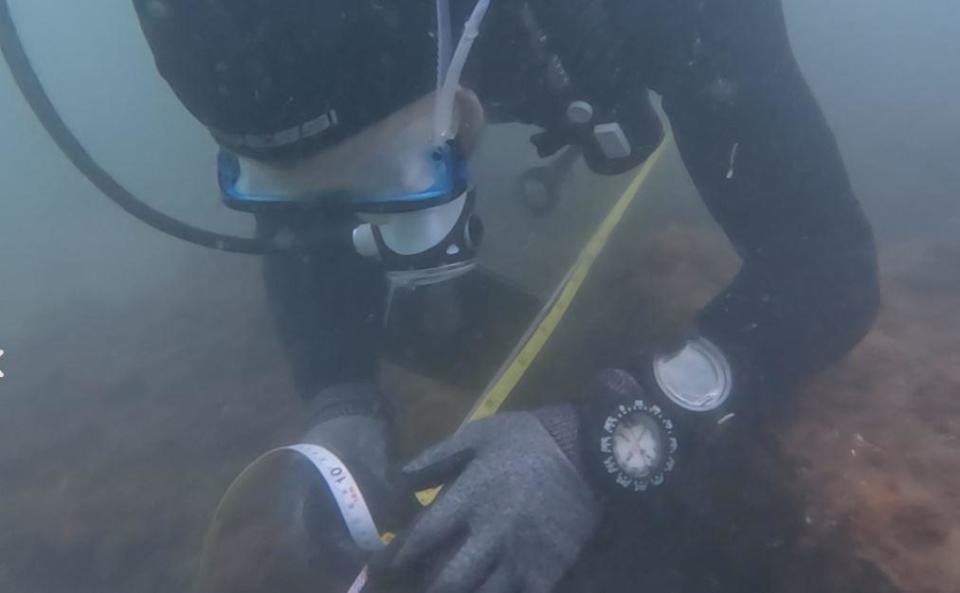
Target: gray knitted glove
{"type": "Point", "coordinates": [513, 515]}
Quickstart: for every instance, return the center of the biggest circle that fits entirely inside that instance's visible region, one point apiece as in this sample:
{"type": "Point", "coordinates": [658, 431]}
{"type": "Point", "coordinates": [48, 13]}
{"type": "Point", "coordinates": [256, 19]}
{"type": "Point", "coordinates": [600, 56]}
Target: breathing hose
{"type": "Point", "coordinates": [43, 108]}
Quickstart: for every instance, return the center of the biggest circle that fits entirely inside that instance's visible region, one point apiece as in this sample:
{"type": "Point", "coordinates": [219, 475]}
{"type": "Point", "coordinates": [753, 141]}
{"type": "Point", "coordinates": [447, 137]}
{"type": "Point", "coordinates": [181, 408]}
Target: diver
{"type": "Point", "coordinates": [323, 109]}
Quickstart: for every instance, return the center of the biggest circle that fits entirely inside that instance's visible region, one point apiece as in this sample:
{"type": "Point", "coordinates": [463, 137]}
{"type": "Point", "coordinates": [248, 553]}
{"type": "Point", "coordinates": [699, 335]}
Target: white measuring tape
{"type": "Point", "coordinates": [345, 491]}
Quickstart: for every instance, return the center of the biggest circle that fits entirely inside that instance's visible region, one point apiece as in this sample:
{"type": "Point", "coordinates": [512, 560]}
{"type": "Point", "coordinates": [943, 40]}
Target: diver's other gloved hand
{"type": "Point", "coordinates": [352, 417]}
{"type": "Point", "coordinates": [513, 515]}
{"type": "Point", "coordinates": [353, 422]}
{"type": "Point", "coordinates": [613, 138]}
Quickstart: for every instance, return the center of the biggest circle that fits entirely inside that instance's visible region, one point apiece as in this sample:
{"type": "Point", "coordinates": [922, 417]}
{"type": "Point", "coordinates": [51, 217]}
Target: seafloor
{"type": "Point", "coordinates": [123, 424]}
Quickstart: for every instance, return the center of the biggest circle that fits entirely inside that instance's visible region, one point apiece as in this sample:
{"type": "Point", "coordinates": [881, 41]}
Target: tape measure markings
{"type": "Point", "coordinates": [346, 492]}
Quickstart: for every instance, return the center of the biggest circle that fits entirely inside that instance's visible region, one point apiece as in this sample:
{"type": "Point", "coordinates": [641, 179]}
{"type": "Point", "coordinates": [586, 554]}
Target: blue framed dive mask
{"type": "Point", "coordinates": [449, 179]}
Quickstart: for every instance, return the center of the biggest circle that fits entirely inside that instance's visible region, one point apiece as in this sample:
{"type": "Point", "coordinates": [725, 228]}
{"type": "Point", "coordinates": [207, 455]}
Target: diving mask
{"type": "Point", "coordinates": [412, 198]}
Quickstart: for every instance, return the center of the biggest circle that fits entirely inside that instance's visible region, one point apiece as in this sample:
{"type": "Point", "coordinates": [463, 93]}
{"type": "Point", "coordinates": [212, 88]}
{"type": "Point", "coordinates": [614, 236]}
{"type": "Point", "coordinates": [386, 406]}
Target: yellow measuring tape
{"type": "Point", "coordinates": [503, 385]}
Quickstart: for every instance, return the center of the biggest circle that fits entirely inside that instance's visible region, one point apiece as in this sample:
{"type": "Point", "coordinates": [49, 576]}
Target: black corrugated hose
{"type": "Point", "coordinates": [36, 96]}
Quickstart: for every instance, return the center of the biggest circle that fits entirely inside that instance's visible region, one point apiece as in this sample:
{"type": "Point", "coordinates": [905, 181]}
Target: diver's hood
{"type": "Point", "coordinates": [294, 521]}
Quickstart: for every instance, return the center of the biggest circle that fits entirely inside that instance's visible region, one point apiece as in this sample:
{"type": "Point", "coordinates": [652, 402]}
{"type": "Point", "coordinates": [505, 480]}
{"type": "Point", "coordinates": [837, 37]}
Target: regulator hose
{"type": "Point", "coordinates": [43, 108]}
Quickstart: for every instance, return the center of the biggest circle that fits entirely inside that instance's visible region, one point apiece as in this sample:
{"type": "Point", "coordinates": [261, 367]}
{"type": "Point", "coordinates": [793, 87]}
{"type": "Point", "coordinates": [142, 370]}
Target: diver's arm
{"type": "Point", "coordinates": [767, 166]}
{"type": "Point", "coordinates": [762, 156]}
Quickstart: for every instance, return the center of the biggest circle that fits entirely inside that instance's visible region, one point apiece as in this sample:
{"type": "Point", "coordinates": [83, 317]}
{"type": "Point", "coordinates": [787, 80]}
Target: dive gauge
{"type": "Point", "coordinates": [628, 441]}
{"type": "Point", "coordinates": [638, 446]}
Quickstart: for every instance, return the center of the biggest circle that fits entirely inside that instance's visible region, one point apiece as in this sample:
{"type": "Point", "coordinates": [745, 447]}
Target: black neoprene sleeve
{"type": "Point", "coordinates": [766, 163]}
